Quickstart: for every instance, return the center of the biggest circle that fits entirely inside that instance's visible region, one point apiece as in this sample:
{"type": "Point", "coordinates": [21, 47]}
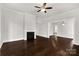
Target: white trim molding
{"type": "Point", "coordinates": [13, 40]}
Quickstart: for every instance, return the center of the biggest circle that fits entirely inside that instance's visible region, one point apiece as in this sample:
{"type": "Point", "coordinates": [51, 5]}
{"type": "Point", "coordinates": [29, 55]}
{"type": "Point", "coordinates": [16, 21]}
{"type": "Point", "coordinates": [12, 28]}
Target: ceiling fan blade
{"type": "Point", "coordinates": [37, 6]}
{"type": "Point", "coordinates": [38, 10]}
{"type": "Point", "coordinates": [45, 11]}
{"type": "Point", "coordinates": [44, 4]}
{"type": "Point", "coordinates": [48, 8]}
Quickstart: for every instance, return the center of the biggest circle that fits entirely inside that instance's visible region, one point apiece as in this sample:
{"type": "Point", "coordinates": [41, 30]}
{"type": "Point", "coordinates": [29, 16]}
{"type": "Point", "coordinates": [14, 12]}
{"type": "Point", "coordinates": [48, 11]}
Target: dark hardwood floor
{"type": "Point", "coordinates": [38, 47]}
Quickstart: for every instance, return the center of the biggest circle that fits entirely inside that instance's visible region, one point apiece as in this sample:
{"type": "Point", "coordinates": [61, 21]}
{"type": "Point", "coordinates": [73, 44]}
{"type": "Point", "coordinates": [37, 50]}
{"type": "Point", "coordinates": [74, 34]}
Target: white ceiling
{"type": "Point", "coordinates": [29, 7]}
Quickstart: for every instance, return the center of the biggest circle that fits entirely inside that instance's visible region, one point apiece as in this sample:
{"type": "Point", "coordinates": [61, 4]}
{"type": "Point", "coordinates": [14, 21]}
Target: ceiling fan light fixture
{"type": "Point", "coordinates": [63, 23]}
{"type": "Point", "coordinates": [43, 9]}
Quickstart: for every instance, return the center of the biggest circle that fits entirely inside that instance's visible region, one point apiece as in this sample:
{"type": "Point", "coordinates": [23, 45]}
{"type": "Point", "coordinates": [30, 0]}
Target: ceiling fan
{"type": "Point", "coordinates": [43, 8]}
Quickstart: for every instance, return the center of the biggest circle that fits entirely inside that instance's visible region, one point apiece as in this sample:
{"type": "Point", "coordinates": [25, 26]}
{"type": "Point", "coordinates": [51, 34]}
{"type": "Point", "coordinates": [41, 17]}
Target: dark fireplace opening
{"type": "Point", "coordinates": [30, 36]}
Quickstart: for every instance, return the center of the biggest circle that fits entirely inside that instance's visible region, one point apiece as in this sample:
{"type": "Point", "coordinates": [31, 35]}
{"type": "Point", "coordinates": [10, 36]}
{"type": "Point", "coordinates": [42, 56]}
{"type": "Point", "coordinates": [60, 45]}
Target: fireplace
{"type": "Point", "coordinates": [30, 36]}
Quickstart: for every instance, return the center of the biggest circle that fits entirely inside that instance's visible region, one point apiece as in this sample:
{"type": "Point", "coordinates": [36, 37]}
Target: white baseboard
{"type": "Point", "coordinates": [13, 40]}
{"type": "Point", "coordinates": [43, 36]}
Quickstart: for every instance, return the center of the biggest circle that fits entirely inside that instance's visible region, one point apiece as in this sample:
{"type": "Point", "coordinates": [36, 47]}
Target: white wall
{"type": "Point", "coordinates": [12, 25]}
{"type": "Point", "coordinates": [67, 30]}
{"type": "Point", "coordinates": [0, 26]}
{"type": "Point", "coordinates": [42, 29]}
{"type": "Point", "coordinates": [76, 29]}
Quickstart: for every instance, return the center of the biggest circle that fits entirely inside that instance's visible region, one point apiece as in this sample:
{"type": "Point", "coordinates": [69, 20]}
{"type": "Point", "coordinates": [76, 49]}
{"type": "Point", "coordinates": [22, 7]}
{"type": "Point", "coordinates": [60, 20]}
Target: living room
{"type": "Point", "coordinates": [19, 20]}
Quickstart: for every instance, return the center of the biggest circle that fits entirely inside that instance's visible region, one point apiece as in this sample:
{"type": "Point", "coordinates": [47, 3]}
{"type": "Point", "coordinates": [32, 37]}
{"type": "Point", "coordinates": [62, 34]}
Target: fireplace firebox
{"type": "Point", "coordinates": [30, 36]}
